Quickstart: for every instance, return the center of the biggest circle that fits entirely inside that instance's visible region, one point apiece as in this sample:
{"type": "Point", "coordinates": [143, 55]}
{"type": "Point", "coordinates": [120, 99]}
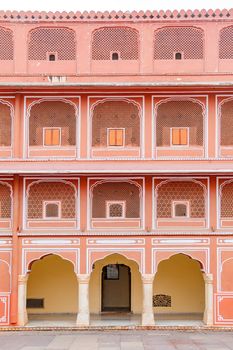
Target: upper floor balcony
{"type": "Point", "coordinates": [117, 126]}
{"type": "Point", "coordinates": [125, 204]}
{"type": "Point", "coordinates": [96, 44]}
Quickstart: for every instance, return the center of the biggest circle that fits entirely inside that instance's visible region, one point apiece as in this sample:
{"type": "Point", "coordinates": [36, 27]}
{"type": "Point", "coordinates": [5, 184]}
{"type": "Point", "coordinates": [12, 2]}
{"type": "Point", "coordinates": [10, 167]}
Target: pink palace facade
{"type": "Point", "coordinates": [116, 167]}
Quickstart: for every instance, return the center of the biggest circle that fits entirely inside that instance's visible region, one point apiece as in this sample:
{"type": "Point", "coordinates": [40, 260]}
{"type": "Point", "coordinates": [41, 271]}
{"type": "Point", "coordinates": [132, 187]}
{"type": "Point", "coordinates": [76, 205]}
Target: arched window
{"type": "Point", "coordinates": [178, 55]}
{"type": "Point", "coordinates": [52, 57]}
{"type": "Point", "coordinates": [115, 56]}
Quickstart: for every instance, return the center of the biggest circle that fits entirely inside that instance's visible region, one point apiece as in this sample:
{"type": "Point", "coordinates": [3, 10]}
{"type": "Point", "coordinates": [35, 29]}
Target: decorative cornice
{"type": "Point", "coordinates": [92, 16]}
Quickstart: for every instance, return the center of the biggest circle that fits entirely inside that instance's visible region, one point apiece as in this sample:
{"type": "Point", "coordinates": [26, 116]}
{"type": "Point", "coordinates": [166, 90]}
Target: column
{"type": "Point", "coordinates": [22, 297]}
{"type": "Point", "coordinates": [83, 318]}
{"type": "Point", "coordinates": [147, 305]}
{"type": "Point", "coordinates": [208, 313]}
{"type": "Point", "coordinates": [15, 262]}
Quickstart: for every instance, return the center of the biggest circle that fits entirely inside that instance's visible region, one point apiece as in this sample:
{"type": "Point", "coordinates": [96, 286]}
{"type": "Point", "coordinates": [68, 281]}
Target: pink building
{"type": "Point", "coordinates": [116, 166]}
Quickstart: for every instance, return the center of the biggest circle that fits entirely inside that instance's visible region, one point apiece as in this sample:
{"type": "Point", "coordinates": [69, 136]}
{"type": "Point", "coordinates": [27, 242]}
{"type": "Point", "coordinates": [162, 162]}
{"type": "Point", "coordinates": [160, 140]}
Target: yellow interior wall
{"type": "Point", "coordinates": [181, 278]}
{"type": "Point", "coordinates": [53, 279]}
{"type": "Point", "coordinates": [95, 283]}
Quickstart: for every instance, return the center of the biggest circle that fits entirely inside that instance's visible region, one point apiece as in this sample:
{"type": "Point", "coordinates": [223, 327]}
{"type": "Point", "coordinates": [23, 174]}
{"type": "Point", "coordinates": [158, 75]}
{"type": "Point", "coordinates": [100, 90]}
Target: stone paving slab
{"type": "Point", "coordinates": [117, 340]}
{"type": "Point", "coordinates": [61, 342]}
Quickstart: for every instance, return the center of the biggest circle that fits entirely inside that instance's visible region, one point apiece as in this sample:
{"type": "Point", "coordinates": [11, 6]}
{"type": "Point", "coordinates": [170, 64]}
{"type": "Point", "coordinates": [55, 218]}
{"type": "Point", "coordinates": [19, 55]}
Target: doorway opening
{"type": "Point", "coordinates": [116, 288]}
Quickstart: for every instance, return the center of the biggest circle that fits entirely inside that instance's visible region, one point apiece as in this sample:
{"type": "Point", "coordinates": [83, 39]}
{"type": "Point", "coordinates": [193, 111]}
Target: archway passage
{"type": "Point", "coordinates": [116, 288]}
{"type": "Point", "coordinates": [116, 301]}
{"type": "Point", "coordinates": [179, 290]}
{"type": "Point", "coordinates": [52, 290]}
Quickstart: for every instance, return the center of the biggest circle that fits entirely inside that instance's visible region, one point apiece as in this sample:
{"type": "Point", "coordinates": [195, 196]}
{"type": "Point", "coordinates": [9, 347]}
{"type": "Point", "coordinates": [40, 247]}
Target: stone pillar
{"type": "Point", "coordinates": [83, 317]}
{"type": "Point", "coordinates": [208, 313]}
{"type": "Point", "coordinates": [22, 297]}
{"type": "Point", "coordinates": [147, 302]}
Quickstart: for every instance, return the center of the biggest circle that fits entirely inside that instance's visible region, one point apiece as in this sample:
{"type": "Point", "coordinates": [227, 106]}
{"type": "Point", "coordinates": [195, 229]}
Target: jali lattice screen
{"type": "Point", "coordinates": [179, 113]}
{"type": "Point", "coordinates": [5, 125]}
{"type": "Point", "coordinates": [227, 201]}
{"type": "Point", "coordinates": [226, 123]}
{"type": "Point", "coordinates": [52, 114]}
{"type": "Point", "coordinates": [118, 191]}
{"type": "Point", "coordinates": [226, 43]}
{"type": "Point", "coordinates": [180, 191]}
{"type": "Point", "coordinates": [56, 40]}
{"type": "Point", "coordinates": [6, 45]}
{"type": "Point", "coordinates": [116, 114]}
{"type": "Point", "coordinates": [186, 40]}
{"type": "Point", "coordinates": [5, 201]}
{"type": "Point", "coordinates": [51, 191]}
{"type": "Point", "coordinates": [115, 39]}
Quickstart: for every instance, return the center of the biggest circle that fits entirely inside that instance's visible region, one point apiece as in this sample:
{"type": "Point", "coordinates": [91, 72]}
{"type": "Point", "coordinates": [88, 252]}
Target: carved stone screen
{"type": "Point", "coordinates": [5, 202]}
{"type": "Point", "coordinates": [226, 43]}
{"type": "Point", "coordinates": [179, 113]}
{"type": "Point", "coordinates": [186, 40]}
{"type": "Point", "coordinates": [226, 123]}
{"type": "Point", "coordinates": [180, 191]}
{"type": "Point", "coordinates": [116, 114]}
{"type": "Point", "coordinates": [161, 300]}
{"type": "Point", "coordinates": [122, 40]}
{"type": "Point", "coordinates": [6, 45]}
{"type": "Point", "coordinates": [51, 191]}
{"type": "Point", "coordinates": [52, 40]}
{"type": "Point", "coordinates": [5, 125]}
{"type": "Point", "coordinates": [118, 191]}
{"type": "Point", "coordinates": [227, 201]}
{"type": "Point", "coordinates": [54, 114]}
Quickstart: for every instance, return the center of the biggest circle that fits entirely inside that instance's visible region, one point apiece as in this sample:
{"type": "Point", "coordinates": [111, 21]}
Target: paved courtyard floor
{"type": "Point", "coordinates": [117, 340]}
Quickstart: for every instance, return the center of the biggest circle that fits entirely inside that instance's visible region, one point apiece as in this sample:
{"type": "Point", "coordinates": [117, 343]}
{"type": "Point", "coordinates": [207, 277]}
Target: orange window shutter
{"type": "Point", "coordinates": [183, 137]}
{"type": "Point", "coordinates": [175, 136]}
{"type": "Point", "coordinates": [119, 137]}
{"type": "Point", "coordinates": [48, 137]}
{"type": "Point", "coordinates": [112, 137]}
{"type": "Point", "coordinates": [56, 137]}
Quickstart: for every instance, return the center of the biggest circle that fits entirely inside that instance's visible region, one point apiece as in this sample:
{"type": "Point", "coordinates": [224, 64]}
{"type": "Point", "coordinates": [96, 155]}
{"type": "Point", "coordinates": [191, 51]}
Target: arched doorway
{"type": "Point", "coordinates": [116, 288]}
{"type": "Point", "coordinates": [115, 291]}
{"type": "Point", "coordinates": [179, 290]}
{"type": "Point", "coordinates": [52, 290]}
